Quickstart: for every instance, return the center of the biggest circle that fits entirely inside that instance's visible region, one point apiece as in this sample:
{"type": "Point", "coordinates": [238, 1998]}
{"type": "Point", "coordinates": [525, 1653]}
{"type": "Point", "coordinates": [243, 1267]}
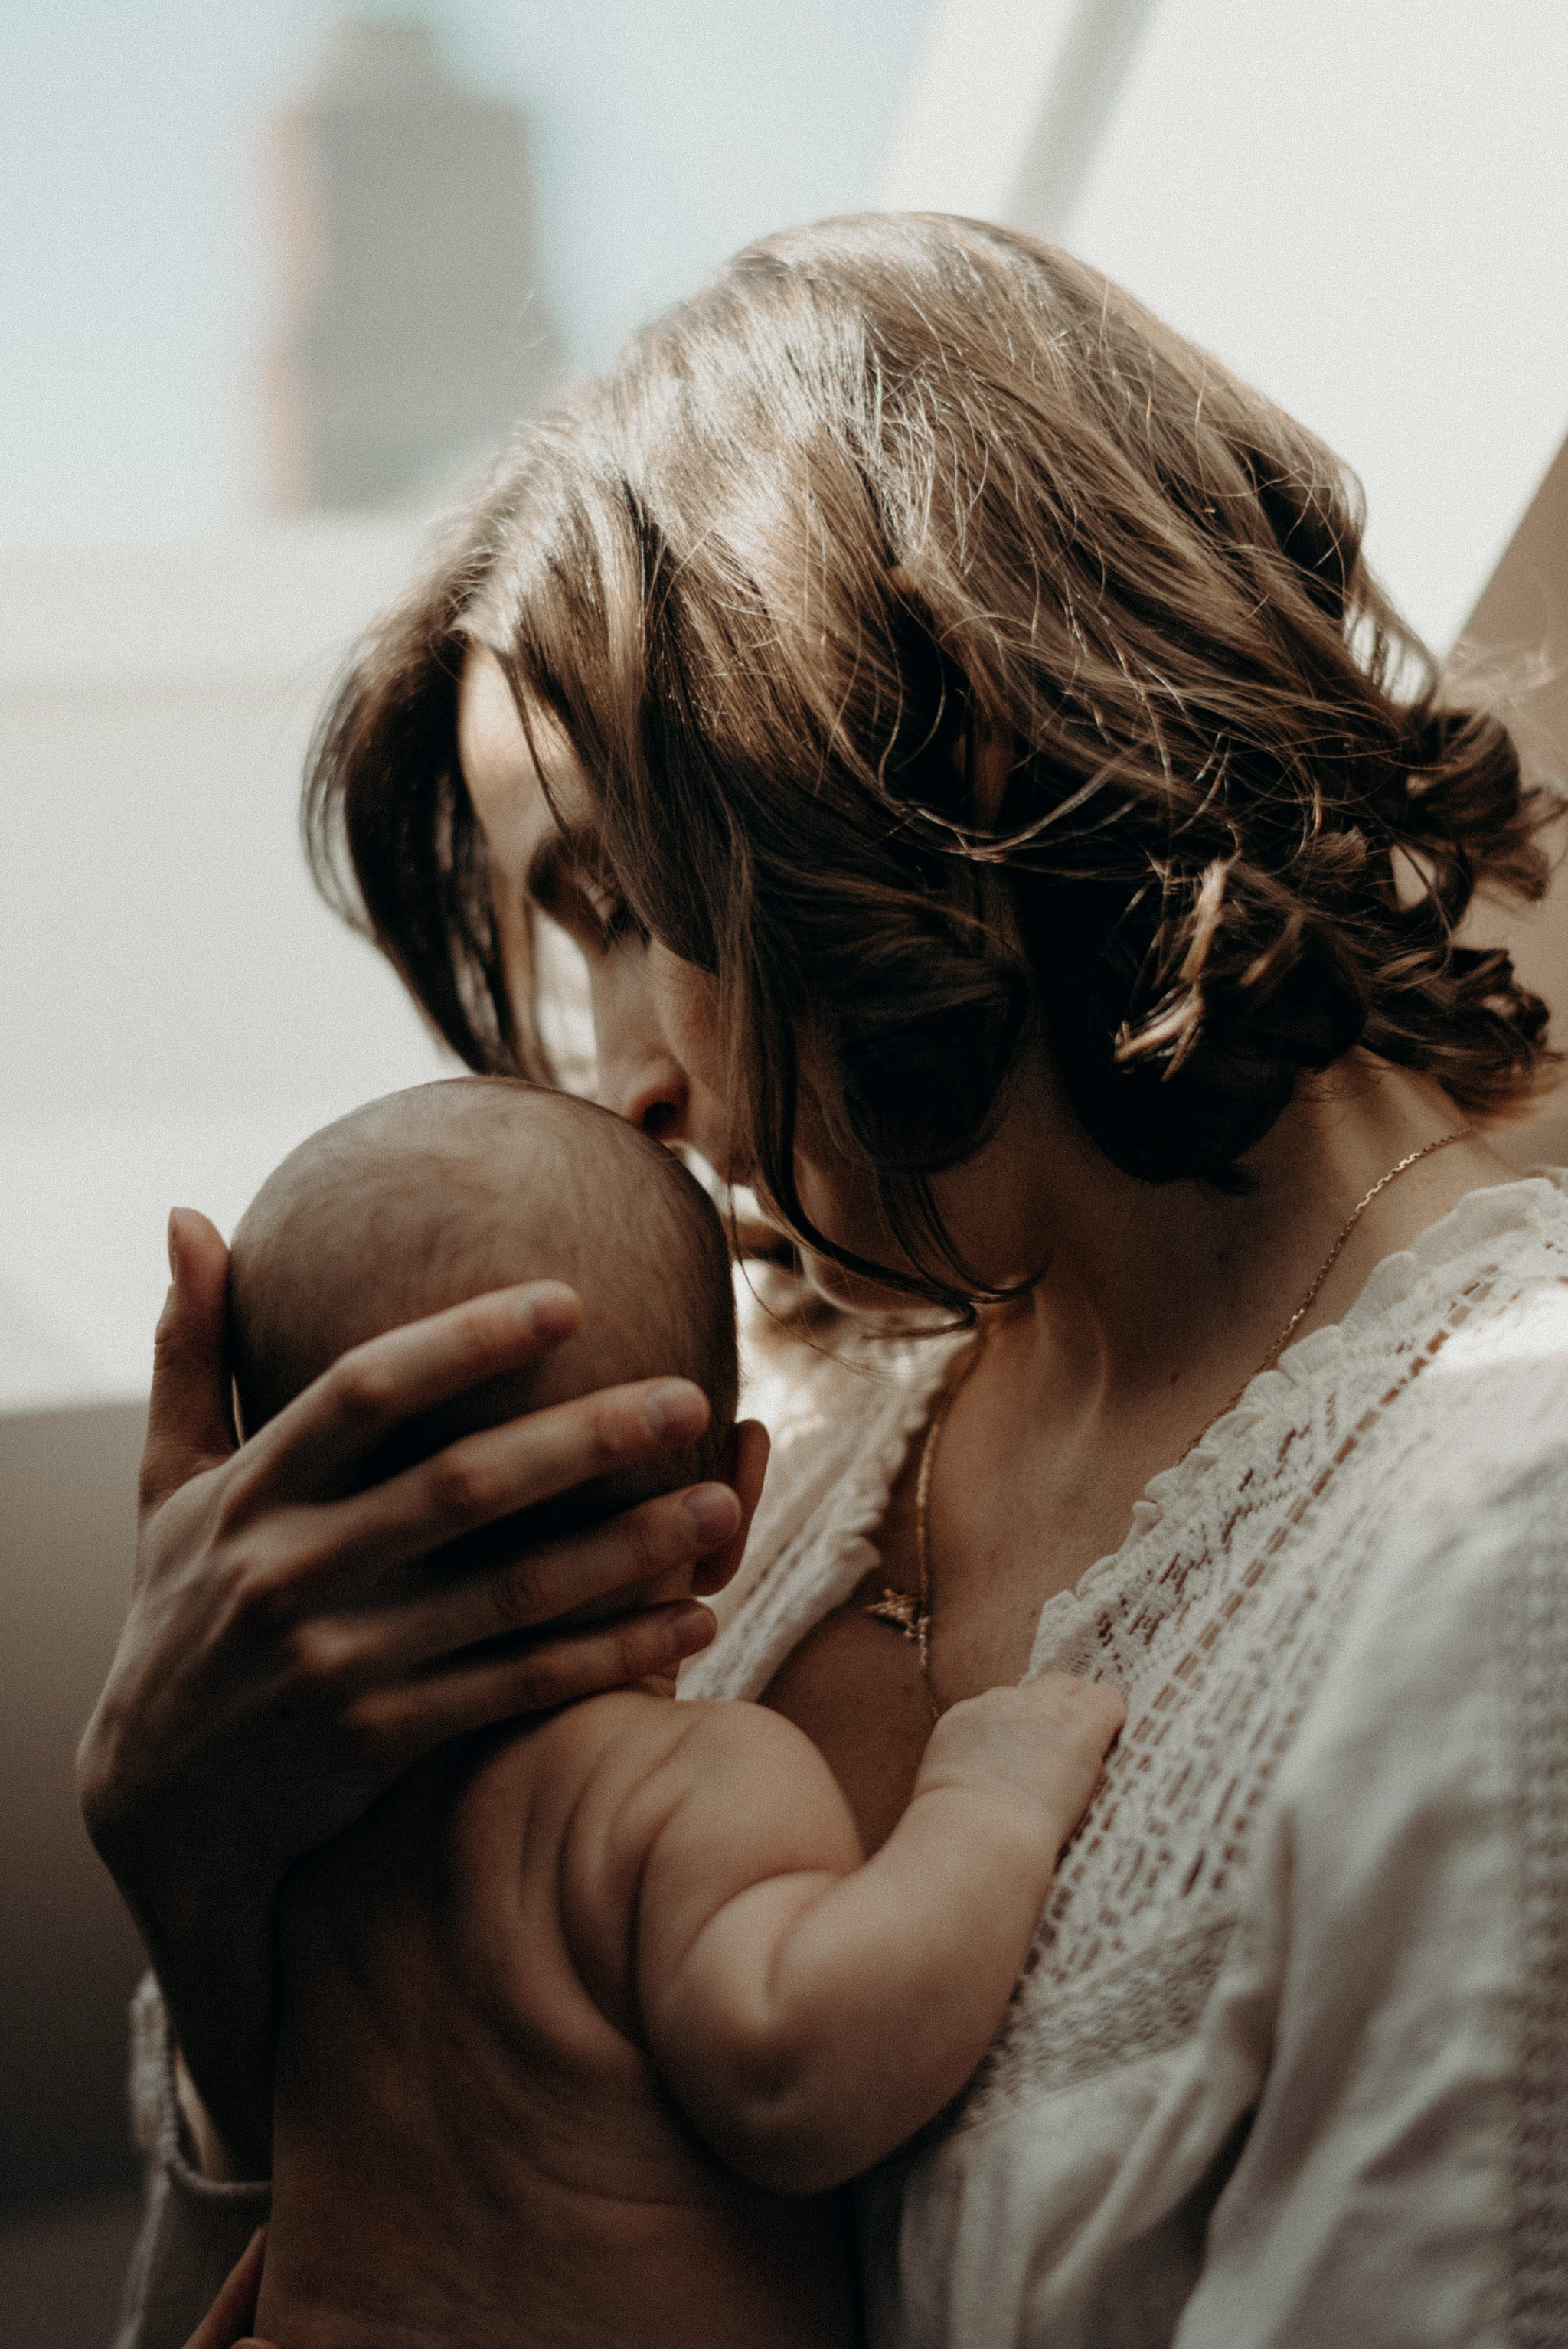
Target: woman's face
{"type": "Point", "coordinates": [655, 1018]}
{"type": "Point", "coordinates": [652, 1018]}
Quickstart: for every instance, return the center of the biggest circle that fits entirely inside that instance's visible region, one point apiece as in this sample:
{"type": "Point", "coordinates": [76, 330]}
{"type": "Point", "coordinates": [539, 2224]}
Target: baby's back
{"type": "Point", "coordinates": [471, 2146]}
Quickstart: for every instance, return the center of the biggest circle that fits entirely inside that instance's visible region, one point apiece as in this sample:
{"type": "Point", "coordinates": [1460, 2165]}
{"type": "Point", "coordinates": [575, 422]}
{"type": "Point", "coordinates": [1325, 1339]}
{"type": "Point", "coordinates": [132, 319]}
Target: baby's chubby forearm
{"type": "Point", "coordinates": [821, 2013]}
{"type": "Point", "coordinates": [820, 2019]}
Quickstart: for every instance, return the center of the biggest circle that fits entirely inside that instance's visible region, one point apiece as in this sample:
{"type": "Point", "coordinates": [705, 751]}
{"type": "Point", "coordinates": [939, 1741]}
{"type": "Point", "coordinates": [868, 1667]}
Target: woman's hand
{"type": "Point", "coordinates": [234, 2310]}
{"type": "Point", "coordinates": [289, 1650]}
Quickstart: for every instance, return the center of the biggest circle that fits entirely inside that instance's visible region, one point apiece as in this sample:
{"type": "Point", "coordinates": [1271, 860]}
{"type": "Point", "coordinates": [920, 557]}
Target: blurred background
{"type": "Point", "coordinates": [277, 279]}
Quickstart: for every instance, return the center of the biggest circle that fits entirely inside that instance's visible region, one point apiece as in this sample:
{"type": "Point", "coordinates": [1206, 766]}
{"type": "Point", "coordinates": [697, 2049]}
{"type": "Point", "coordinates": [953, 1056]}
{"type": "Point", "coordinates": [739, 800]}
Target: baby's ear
{"type": "Point", "coordinates": [742, 1464]}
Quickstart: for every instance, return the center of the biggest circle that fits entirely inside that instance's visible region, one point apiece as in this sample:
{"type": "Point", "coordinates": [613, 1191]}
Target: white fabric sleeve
{"type": "Point", "coordinates": [1401, 1981]}
{"type": "Point", "coordinates": [194, 2227]}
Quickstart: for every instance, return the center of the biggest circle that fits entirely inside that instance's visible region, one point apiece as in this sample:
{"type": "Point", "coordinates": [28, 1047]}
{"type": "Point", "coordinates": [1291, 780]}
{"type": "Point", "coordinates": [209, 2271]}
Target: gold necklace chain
{"type": "Point", "coordinates": [1327, 1267]}
{"type": "Point", "coordinates": [909, 1612]}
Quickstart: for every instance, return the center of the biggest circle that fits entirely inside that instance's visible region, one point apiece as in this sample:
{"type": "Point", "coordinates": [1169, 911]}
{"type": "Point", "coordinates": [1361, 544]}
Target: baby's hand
{"type": "Point", "coordinates": [1040, 1746]}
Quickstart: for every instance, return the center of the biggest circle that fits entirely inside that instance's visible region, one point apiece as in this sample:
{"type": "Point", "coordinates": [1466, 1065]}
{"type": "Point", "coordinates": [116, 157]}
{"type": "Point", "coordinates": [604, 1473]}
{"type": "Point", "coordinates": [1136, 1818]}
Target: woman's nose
{"type": "Point", "coordinates": [641, 1080]}
{"type": "Point", "coordinates": [654, 1098]}
{"type": "Point", "coordinates": [639, 1076]}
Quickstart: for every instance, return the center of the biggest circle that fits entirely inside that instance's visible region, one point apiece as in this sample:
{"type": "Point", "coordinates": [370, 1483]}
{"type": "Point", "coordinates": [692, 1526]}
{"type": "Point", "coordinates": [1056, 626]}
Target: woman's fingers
{"type": "Point", "coordinates": [743, 1467]}
{"type": "Point", "coordinates": [534, 1586]}
{"type": "Point", "coordinates": [499, 1472]}
{"type": "Point", "coordinates": [394, 1725]}
{"type": "Point", "coordinates": [234, 2310]}
{"type": "Point", "coordinates": [189, 1425]}
{"type": "Point", "coordinates": [508, 1468]}
{"type": "Point", "coordinates": [340, 1418]}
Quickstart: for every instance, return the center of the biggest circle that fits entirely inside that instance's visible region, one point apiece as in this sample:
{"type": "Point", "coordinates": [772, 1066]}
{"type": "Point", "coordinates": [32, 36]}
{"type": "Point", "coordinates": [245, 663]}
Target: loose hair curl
{"type": "Point", "coordinates": [953, 654]}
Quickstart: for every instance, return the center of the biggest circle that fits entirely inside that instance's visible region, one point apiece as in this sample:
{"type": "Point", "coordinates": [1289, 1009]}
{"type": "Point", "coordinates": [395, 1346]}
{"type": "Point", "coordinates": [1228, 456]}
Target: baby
{"type": "Point", "coordinates": [563, 1965]}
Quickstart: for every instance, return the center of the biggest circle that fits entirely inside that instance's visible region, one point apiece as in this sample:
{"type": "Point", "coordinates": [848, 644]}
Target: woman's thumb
{"type": "Point", "coordinates": [190, 1423]}
{"type": "Point", "coordinates": [236, 2302]}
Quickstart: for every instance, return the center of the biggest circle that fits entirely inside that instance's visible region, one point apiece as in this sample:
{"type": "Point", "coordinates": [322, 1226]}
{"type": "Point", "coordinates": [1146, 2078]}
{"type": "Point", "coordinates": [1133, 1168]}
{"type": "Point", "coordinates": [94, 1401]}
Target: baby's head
{"type": "Point", "coordinates": [420, 1200]}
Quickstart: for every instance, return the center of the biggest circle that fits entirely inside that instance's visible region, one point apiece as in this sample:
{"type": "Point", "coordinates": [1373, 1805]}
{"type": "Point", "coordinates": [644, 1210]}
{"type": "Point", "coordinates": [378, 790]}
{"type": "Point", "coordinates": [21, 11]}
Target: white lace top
{"type": "Point", "coordinates": [1287, 2064]}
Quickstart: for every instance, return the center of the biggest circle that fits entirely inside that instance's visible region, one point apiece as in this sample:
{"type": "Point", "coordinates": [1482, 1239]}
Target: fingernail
{"type": "Point", "coordinates": [675, 1412]}
{"type": "Point", "coordinates": [173, 1242]}
{"type": "Point", "coordinates": [713, 1513]}
{"type": "Point", "coordinates": [550, 1309]}
{"type": "Point", "coordinates": [692, 1628]}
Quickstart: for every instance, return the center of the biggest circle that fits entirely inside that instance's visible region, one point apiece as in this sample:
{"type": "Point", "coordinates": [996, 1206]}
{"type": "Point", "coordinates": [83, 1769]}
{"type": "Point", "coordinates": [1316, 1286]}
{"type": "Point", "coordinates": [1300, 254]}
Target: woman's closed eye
{"type": "Point", "coordinates": [617, 920]}
{"type": "Point", "coordinates": [569, 880]}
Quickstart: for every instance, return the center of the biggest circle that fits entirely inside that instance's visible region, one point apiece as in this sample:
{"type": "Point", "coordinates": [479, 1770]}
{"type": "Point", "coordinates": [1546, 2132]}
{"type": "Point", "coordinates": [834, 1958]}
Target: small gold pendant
{"type": "Point", "coordinates": [905, 1613]}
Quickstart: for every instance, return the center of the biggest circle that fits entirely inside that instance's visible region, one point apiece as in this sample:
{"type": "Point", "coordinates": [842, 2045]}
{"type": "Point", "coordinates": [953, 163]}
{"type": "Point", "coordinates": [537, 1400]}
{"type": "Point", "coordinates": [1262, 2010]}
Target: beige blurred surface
{"type": "Point", "coordinates": [68, 1955]}
{"type": "Point", "coordinates": [61, 2272]}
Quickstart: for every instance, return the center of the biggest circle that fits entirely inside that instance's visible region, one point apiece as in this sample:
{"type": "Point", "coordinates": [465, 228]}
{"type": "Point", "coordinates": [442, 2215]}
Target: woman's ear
{"type": "Point", "coordinates": [743, 1464]}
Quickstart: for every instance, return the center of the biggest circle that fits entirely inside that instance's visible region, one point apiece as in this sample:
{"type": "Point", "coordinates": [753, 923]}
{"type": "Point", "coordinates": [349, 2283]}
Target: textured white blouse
{"type": "Point", "coordinates": [1288, 2064]}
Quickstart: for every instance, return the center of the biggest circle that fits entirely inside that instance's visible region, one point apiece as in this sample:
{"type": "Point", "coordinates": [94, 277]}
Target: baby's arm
{"type": "Point", "coordinates": [808, 2009]}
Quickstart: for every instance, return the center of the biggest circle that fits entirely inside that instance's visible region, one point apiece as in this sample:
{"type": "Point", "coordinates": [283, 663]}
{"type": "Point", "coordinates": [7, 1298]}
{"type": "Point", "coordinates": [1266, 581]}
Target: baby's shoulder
{"type": "Point", "coordinates": [616, 1770]}
{"type": "Point", "coordinates": [631, 1731]}
{"type": "Point", "coordinates": [634, 1722]}
{"type": "Point", "coordinates": [649, 1713]}
{"type": "Point", "coordinates": [624, 1737]}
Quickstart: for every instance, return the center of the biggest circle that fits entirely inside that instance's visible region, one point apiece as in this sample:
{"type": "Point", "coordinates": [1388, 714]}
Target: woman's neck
{"type": "Point", "coordinates": [1149, 1289]}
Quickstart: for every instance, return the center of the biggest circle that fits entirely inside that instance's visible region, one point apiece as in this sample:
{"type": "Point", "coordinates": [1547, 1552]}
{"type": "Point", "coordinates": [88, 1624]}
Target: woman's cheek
{"type": "Point", "coordinates": [685, 1004]}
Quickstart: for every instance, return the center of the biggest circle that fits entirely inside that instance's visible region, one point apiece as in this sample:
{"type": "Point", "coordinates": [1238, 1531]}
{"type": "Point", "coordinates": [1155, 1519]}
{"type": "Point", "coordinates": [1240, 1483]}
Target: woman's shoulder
{"type": "Point", "coordinates": [1466, 1335]}
{"type": "Point", "coordinates": [1448, 1376]}
{"type": "Point", "coordinates": [1450, 1452]}
{"type": "Point", "coordinates": [1404, 1902]}
{"type": "Point", "coordinates": [1464, 1269]}
{"type": "Point", "coordinates": [1459, 1512]}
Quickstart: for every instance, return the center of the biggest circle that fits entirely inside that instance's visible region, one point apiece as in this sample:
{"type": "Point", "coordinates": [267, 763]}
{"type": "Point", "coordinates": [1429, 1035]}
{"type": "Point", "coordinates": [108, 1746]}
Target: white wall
{"type": "Point", "coordinates": [1363, 209]}
{"type": "Point", "coordinates": [181, 1006]}
{"type": "Point", "coordinates": [138, 241]}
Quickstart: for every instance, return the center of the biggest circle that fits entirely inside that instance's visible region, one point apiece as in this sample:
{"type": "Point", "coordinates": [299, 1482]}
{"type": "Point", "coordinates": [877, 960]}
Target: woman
{"type": "Point", "coordinates": [1008, 828]}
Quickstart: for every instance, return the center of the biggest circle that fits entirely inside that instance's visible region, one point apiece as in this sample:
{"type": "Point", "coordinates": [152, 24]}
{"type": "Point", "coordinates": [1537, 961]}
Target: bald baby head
{"type": "Point", "coordinates": [425, 1198]}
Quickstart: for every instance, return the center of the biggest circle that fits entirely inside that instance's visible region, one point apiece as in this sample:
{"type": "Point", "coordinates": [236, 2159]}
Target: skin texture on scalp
{"type": "Point", "coordinates": [424, 1198]}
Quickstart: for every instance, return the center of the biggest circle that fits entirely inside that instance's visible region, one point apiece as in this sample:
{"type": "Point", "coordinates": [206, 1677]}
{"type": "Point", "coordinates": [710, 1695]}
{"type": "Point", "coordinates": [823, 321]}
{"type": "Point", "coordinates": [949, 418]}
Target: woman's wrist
{"type": "Point", "coordinates": [219, 1985]}
{"type": "Point", "coordinates": [209, 1939]}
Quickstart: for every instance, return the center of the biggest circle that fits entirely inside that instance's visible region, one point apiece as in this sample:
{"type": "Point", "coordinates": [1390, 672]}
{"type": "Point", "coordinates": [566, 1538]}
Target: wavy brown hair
{"type": "Point", "coordinates": [956, 654]}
